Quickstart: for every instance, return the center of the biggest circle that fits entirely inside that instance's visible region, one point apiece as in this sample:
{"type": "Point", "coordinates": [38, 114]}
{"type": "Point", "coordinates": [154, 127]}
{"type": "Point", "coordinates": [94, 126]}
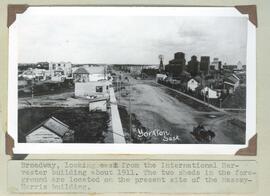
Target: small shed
{"type": "Point", "coordinates": [231, 82]}
{"type": "Point", "coordinates": [50, 131]}
{"type": "Point", "coordinates": [98, 104]}
{"type": "Point", "coordinates": [161, 77]}
{"type": "Point", "coordinates": [209, 93]}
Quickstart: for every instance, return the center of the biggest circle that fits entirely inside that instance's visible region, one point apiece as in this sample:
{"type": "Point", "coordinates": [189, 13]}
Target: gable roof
{"type": "Point", "coordinates": [194, 78]}
{"type": "Point", "coordinates": [54, 125]}
{"type": "Point", "coordinates": [96, 69]}
{"type": "Point", "coordinates": [198, 79]}
{"type": "Point", "coordinates": [81, 70]}
{"type": "Point", "coordinates": [207, 88]}
{"type": "Point", "coordinates": [234, 75]}
{"type": "Point", "coordinates": [90, 70]}
{"type": "Point", "coordinates": [231, 79]}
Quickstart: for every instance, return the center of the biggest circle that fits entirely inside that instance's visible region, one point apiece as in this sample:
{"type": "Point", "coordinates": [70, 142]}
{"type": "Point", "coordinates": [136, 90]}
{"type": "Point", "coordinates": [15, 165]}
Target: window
{"type": "Point", "coordinates": [99, 89]}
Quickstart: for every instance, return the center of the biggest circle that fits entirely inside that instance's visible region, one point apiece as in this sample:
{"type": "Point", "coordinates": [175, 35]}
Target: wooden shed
{"type": "Point", "coordinates": [98, 104]}
{"type": "Point", "coordinates": [50, 131]}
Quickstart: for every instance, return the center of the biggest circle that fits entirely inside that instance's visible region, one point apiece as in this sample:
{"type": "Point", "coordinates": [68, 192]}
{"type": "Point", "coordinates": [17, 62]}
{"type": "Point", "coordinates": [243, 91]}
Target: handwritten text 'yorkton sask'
{"type": "Point", "coordinates": [164, 135]}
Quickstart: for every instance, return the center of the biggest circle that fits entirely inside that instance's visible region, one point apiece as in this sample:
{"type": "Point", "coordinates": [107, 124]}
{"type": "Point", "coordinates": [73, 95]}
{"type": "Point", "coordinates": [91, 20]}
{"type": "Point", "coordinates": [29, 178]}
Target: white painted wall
{"type": "Point", "coordinates": [98, 105]}
{"type": "Point", "coordinates": [89, 88]}
{"type": "Point", "coordinates": [96, 77]}
{"type": "Point", "coordinates": [43, 135]}
{"type": "Point", "coordinates": [161, 77]}
{"type": "Point", "coordinates": [212, 94]}
{"type": "Point", "coordinates": [192, 84]}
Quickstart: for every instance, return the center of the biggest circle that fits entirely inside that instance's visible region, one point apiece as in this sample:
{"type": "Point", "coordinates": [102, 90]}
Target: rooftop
{"type": "Point", "coordinates": [54, 125]}
{"type": "Point", "coordinates": [90, 70]}
{"type": "Point", "coordinates": [81, 70]}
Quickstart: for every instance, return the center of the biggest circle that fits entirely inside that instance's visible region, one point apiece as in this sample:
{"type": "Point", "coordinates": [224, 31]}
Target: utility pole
{"type": "Point", "coordinates": [130, 116]}
{"type": "Point", "coordinates": [32, 88]}
{"type": "Point", "coordinates": [120, 89]}
{"type": "Point", "coordinates": [220, 101]}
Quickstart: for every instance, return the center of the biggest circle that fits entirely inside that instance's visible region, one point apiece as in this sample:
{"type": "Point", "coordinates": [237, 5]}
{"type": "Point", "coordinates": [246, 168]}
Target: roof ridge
{"type": "Point", "coordinates": [59, 121]}
{"type": "Point", "coordinates": [81, 69]}
{"type": "Point", "coordinates": [37, 126]}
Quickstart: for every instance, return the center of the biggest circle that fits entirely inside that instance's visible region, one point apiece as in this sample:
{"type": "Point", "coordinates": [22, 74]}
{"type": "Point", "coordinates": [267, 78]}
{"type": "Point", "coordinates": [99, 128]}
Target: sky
{"type": "Point", "coordinates": [130, 39]}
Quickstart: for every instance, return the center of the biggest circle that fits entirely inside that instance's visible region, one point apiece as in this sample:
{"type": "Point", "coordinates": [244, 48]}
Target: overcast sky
{"type": "Point", "coordinates": [132, 39]}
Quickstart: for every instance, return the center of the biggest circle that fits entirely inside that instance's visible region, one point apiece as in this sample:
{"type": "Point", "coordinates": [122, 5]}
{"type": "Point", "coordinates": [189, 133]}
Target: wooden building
{"type": "Point", "coordinates": [50, 131]}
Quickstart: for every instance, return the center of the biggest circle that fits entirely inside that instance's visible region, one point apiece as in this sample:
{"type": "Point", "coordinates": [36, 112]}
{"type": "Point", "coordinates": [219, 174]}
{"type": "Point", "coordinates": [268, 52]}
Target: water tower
{"type": "Point", "coordinates": [161, 57]}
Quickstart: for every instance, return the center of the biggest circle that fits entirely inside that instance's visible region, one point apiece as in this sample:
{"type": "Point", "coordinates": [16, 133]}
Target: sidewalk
{"type": "Point", "coordinates": [118, 134]}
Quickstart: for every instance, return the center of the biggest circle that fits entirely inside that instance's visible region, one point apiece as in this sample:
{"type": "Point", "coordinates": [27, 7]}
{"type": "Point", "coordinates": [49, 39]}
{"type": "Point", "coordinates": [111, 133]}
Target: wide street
{"type": "Point", "coordinates": [157, 107]}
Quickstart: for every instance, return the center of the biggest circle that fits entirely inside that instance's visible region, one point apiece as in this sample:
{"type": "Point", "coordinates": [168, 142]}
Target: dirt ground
{"type": "Point", "coordinates": [156, 109]}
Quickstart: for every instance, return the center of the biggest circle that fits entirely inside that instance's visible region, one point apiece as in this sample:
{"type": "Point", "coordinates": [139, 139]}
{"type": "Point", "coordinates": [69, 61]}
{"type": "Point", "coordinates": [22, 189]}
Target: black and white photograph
{"type": "Point", "coordinates": [131, 76]}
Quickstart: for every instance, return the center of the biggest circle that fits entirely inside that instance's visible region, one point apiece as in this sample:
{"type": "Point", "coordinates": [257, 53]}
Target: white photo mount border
{"type": "Point", "coordinates": [24, 148]}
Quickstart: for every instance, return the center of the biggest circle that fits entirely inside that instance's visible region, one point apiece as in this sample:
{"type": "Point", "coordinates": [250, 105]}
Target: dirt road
{"type": "Point", "coordinates": [158, 110]}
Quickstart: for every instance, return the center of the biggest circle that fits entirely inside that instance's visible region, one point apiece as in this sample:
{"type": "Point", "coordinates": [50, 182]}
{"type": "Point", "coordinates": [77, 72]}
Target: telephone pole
{"type": "Point", "coordinates": [130, 114]}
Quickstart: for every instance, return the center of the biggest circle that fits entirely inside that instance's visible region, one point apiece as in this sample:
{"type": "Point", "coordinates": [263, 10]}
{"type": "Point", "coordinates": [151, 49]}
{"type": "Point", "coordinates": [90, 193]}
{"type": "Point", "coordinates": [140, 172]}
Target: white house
{"type": "Point", "coordinates": [192, 84]}
{"type": "Point", "coordinates": [61, 70]}
{"type": "Point", "coordinates": [35, 73]}
{"type": "Point", "coordinates": [98, 104]}
{"type": "Point", "coordinates": [209, 93]}
{"type": "Point", "coordinates": [91, 81]}
{"type": "Point", "coordinates": [161, 77]}
{"type": "Point", "coordinates": [50, 131]}
{"type": "Point", "coordinates": [90, 73]}
{"type": "Point", "coordinates": [215, 64]}
{"type": "Point", "coordinates": [28, 74]}
{"type": "Point", "coordinates": [239, 65]}
{"type": "Point", "coordinates": [97, 88]}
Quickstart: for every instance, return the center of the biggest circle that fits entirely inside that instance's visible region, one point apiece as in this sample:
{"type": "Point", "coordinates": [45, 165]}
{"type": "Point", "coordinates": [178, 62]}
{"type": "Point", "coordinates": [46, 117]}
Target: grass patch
{"type": "Point", "coordinates": [135, 123]}
{"type": "Point", "coordinates": [89, 127]}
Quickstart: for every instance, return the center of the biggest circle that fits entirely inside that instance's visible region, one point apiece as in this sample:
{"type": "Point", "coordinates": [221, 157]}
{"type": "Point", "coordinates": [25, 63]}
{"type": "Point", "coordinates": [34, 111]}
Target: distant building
{"type": "Point", "coordinates": [239, 65]}
{"type": "Point", "coordinates": [81, 75]}
{"type": "Point", "coordinates": [205, 64]}
{"type": "Point", "coordinates": [91, 81]}
{"type": "Point", "coordinates": [28, 74]}
{"type": "Point", "coordinates": [161, 77]}
{"type": "Point", "coordinates": [94, 88]}
{"type": "Point", "coordinates": [229, 67]}
{"type": "Point", "coordinates": [60, 71]}
{"type": "Point", "coordinates": [90, 73]}
{"type": "Point", "coordinates": [215, 64]}
{"type": "Point", "coordinates": [42, 65]}
{"type": "Point", "coordinates": [219, 65]}
{"type": "Point", "coordinates": [50, 131]}
{"type": "Point", "coordinates": [34, 74]}
{"type": "Point", "coordinates": [136, 69]}
{"type": "Point", "coordinates": [193, 66]}
{"type": "Point", "coordinates": [177, 65]}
